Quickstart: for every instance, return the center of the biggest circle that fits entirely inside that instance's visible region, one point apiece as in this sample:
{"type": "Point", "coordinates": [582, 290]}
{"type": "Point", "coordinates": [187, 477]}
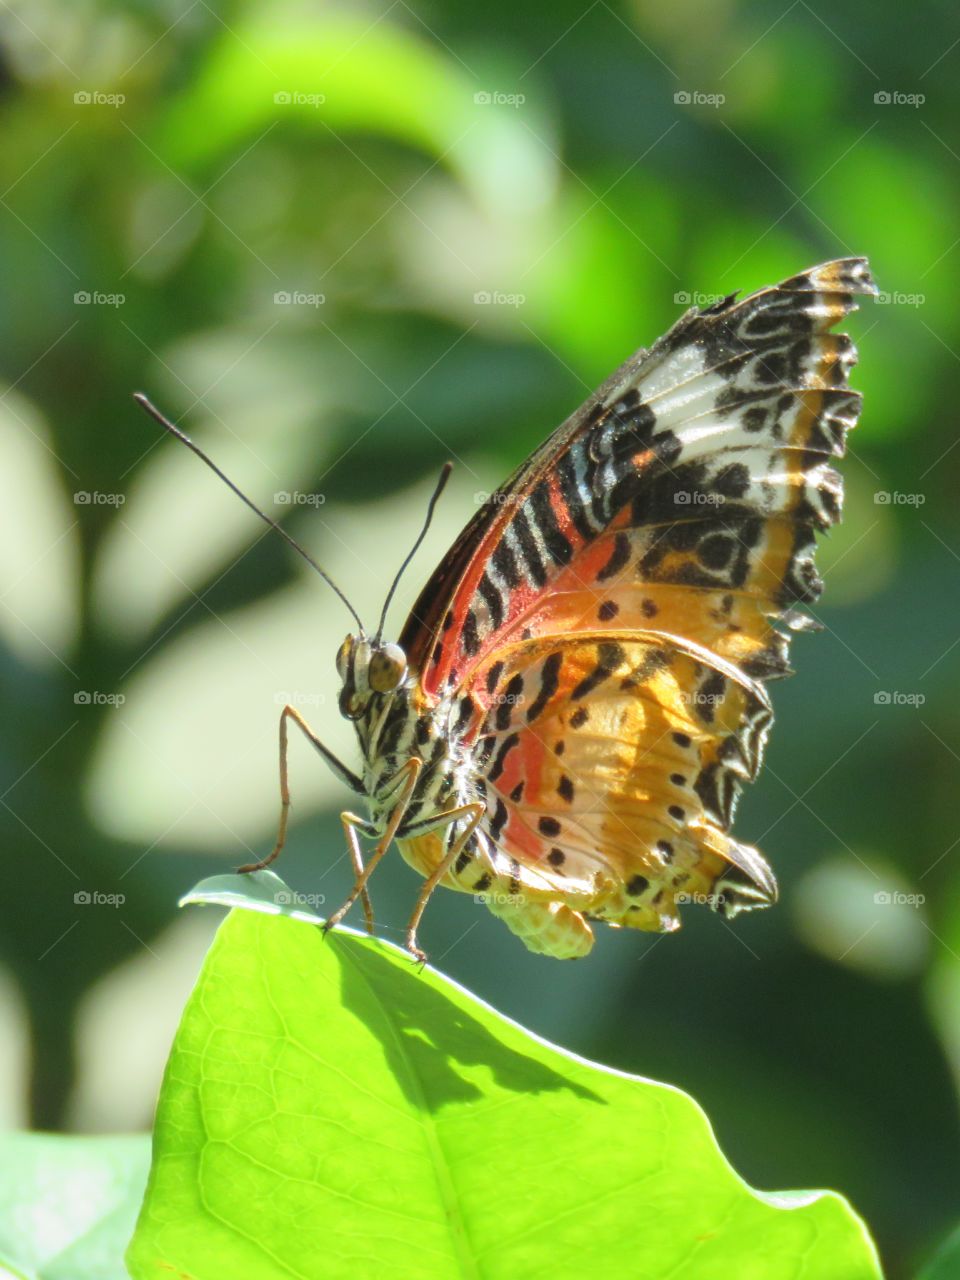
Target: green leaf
{"type": "Point", "coordinates": [68, 1205]}
{"type": "Point", "coordinates": [329, 1111]}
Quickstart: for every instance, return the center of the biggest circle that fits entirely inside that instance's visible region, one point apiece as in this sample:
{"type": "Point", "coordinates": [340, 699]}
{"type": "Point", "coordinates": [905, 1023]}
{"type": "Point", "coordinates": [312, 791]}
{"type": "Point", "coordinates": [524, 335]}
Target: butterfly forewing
{"type": "Point", "coordinates": [711, 452]}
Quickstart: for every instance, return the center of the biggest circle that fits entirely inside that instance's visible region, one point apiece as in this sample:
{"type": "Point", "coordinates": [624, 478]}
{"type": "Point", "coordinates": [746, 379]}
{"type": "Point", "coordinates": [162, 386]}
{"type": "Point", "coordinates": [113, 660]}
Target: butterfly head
{"type": "Point", "coordinates": [367, 668]}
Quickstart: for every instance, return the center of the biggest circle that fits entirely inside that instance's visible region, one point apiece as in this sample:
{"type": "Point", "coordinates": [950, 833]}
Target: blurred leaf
{"type": "Point", "coordinates": [339, 72]}
{"type": "Point", "coordinates": [945, 1264]}
{"type": "Point", "coordinates": [386, 1122]}
{"type": "Point", "coordinates": [68, 1205]}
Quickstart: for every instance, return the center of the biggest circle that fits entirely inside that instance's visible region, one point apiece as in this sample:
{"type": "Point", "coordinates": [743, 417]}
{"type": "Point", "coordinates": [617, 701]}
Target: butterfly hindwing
{"type": "Point", "coordinates": [611, 765]}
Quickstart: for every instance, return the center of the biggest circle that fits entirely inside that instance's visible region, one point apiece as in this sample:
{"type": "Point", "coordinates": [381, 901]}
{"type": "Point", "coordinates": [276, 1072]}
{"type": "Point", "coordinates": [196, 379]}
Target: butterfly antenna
{"type": "Point", "coordinates": [440, 486]}
{"type": "Point", "coordinates": [167, 425]}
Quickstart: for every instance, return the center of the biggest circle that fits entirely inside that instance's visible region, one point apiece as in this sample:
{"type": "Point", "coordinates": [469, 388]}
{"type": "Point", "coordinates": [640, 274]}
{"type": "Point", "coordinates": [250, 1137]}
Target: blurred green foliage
{"type": "Point", "coordinates": [573, 165]}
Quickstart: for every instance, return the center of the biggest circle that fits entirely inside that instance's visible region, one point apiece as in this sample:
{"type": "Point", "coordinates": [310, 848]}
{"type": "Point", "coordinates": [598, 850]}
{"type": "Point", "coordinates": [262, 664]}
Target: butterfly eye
{"type": "Point", "coordinates": [387, 668]}
{"type": "Point", "coordinates": [343, 657]}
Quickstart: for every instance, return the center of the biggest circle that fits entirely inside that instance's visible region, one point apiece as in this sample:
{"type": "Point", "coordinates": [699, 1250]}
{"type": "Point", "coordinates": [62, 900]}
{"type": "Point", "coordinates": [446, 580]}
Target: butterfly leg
{"type": "Point", "coordinates": [352, 826]}
{"type": "Point", "coordinates": [407, 775]}
{"type": "Point", "coordinates": [472, 813]}
{"type": "Point", "coordinates": [342, 772]}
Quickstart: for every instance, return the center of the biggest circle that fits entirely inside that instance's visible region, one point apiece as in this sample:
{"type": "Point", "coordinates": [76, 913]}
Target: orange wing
{"type": "Point", "coordinates": [609, 617]}
{"type": "Point", "coordinates": [685, 494]}
{"type": "Point", "coordinates": [611, 766]}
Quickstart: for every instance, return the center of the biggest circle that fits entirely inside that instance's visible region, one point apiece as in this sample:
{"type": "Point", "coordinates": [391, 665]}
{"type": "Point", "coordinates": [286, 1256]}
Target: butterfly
{"type": "Point", "coordinates": [566, 722]}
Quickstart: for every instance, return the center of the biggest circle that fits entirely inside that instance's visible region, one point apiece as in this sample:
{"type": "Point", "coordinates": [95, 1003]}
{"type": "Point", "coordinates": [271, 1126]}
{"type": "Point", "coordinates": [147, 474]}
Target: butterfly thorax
{"type": "Point", "coordinates": [396, 724]}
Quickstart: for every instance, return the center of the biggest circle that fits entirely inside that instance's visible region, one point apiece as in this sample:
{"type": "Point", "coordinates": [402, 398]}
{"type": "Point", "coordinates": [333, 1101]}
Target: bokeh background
{"type": "Point", "coordinates": [342, 244]}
